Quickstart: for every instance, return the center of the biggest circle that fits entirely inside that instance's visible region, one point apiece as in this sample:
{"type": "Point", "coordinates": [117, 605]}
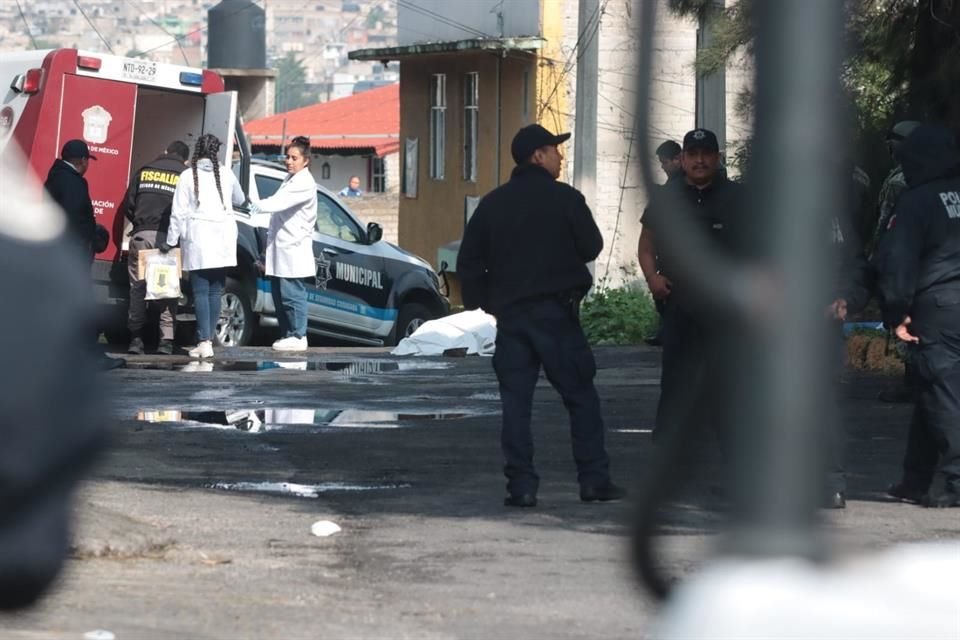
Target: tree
{"type": "Point", "coordinates": [903, 61]}
{"type": "Point", "coordinates": [376, 15]}
{"type": "Point", "coordinates": [291, 76]}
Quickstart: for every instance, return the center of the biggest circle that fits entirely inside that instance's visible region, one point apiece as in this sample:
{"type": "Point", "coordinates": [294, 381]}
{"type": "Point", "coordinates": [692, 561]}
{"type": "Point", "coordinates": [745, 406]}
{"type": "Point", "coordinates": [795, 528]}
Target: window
{"type": "Point", "coordinates": [471, 111]}
{"type": "Point", "coordinates": [267, 186]}
{"type": "Point", "coordinates": [379, 175]}
{"type": "Point", "coordinates": [411, 165]}
{"type": "Point", "coordinates": [438, 124]}
{"type": "Point", "coordinates": [325, 171]}
{"type": "Point", "coordinates": [333, 221]}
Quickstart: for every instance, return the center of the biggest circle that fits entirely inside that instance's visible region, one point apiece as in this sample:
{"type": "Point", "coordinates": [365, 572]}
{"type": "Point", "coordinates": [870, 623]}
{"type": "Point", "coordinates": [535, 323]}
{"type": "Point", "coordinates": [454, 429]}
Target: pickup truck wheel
{"type": "Point", "coordinates": [409, 319]}
{"type": "Point", "coordinates": [237, 320]}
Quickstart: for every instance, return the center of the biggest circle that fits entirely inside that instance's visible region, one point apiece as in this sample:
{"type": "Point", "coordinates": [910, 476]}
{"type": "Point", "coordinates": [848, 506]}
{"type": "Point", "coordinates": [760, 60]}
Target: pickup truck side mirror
{"type": "Point", "coordinates": [374, 233]}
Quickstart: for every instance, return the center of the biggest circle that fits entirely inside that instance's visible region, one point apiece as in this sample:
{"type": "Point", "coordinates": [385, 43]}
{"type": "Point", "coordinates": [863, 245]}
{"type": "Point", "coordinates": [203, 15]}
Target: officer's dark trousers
{"type": "Point", "coordinates": [935, 427]}
{"type": "Point", "coordinates": [547, 333]}
{"type": "Point", "coordinates": [685, 363]}
{"type": "Point", "coordinates": [140, 308]}
{"type": "Point", "coordinates": [834, 429]}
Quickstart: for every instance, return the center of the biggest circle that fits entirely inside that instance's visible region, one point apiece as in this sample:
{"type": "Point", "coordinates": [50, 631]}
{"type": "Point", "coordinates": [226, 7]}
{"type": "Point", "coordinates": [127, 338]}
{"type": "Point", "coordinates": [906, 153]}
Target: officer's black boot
{"type": "Point", "coordinates": [136, 346]}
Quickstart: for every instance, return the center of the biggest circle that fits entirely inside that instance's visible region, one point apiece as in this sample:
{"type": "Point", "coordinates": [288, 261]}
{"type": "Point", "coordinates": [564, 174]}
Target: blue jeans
{"type": "Point", "coordinates": [290, 303]}
{"type": "Point", "coordinates": [207, 289]}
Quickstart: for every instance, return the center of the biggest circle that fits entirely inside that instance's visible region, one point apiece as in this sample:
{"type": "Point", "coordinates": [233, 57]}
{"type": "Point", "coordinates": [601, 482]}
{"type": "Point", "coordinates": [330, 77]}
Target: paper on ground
{"type": "Point", "coordinates": [324, 528]}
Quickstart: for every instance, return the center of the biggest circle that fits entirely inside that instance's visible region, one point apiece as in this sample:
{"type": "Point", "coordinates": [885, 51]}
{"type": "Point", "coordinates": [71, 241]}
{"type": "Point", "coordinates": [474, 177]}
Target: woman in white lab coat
{"type": "Point", "coordinates": [201, 220]}
{"type": "Point", "coordinates": [289, 259]}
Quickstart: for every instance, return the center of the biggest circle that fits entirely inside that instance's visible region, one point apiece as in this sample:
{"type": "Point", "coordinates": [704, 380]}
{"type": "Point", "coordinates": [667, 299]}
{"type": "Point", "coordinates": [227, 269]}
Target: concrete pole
{"type": "Point", "coordinates": [585, 131]}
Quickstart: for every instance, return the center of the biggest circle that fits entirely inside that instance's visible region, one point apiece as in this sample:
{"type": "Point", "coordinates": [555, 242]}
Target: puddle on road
{"type": "Point", "coordinates": [303, 490]}
{"type": "Point", "coordinates": [345, 367]}
{"type": "Point", "coordinates": [260, 420]}
{"type": "Point", "coordinates": [484, 396]}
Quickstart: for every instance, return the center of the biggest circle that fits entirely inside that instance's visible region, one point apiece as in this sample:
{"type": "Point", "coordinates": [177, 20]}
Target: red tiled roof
{"type": "Point", "coordinates": [370, 119]}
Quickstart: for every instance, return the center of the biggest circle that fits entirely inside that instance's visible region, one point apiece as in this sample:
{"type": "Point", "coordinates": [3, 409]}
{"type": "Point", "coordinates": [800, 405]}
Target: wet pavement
{"type": "Point", "coordinates": [219, 469]}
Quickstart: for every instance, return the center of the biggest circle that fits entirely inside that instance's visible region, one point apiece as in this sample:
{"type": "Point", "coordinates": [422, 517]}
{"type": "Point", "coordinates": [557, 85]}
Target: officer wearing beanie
{"type": "Point", "coordinates": [687, 333]}
{"type": "Point", "coordinates": [524, 259]}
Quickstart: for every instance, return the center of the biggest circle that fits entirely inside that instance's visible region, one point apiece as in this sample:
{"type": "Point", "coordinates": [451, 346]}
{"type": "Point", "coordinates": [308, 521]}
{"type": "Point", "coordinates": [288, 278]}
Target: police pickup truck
{"type": "Point", "coordinates": [366, 290]}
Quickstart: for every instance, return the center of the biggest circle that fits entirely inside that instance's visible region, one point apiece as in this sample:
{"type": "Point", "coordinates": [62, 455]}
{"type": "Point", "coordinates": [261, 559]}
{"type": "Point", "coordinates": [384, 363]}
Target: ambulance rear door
{"type": "Point", "coordinates": [219, 118]}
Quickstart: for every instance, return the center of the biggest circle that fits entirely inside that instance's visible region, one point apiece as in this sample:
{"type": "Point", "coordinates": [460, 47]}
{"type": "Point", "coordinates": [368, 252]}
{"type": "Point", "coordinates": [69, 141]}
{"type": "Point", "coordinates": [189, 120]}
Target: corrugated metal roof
{"type": "Point", "coordinates": [368, 120]}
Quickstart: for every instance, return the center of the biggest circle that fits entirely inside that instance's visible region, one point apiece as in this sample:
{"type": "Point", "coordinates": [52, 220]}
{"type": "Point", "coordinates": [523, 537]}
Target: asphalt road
{"type": "Point", "coordinates": [197, 524]}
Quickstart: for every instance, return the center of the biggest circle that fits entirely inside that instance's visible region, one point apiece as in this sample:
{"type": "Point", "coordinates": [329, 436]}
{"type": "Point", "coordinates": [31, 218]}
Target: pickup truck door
{"type": "Point", "coordinates": [351, 287]}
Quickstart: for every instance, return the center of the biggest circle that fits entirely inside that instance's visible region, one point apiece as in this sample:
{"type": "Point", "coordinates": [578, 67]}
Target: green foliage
{"type": "Point", "coordinates": [377, 14]}
{"type": "Point", "coordinates": [291, 76]}
{"type": "Point", "coordinates": [731, 29]}
{"type": "Point", "coordinates": [623, 315]}
{"type": "Point", "coordinates": [903, 62]}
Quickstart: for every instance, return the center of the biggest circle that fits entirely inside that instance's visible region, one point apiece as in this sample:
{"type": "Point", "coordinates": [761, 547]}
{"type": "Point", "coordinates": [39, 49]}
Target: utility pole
{"type": "Point", "coordinates": [585, 131]}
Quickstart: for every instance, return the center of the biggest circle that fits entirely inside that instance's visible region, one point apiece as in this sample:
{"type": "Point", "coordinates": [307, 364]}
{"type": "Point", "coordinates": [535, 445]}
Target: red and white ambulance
{"type": "Point", "coordinates": [126, 109]}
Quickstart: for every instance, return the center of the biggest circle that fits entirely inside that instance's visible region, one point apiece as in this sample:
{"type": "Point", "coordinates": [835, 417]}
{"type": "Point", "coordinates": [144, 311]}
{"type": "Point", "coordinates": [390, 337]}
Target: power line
{"type": "Point", "coordinates": [450, 22]}
{"type": "Point", "coordinates": [159, 26]}
{"type": "Point", "coordinates": [198, 30]}
{"type": "Point", "coordinates": [594, 24]}
{"type": "Point", "coordinates": [623, 188]}
{"type": "Point", "coordinates": [92, 26]}
{"type": "Point", "coordinates": [27, 25]}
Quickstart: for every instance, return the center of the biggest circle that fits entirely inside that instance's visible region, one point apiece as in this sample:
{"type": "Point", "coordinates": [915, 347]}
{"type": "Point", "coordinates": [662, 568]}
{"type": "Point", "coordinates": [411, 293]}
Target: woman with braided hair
{"type": "Point", "coordinates": [293, 217]}
{"type": "Point", "coordinates": [202, 221]}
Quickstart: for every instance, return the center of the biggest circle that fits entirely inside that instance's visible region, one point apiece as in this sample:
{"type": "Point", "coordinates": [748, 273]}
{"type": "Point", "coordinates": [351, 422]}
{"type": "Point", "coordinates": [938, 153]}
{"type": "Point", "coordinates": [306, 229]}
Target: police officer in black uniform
{"type": "Point", "coordinates": [848, 292]}
{"type": "Point", "coordinates": [919, 279]}
{"type": "Point", "coordinates": [670, 156]}
{"type": "Point", "coordinates": [68, 187]}
{"type": "Point", "coordinates": [147, 205]}
{"type": "Point", "coordinates": [523, 259]}
{"type": "Point", "coordinates": [687, 332]}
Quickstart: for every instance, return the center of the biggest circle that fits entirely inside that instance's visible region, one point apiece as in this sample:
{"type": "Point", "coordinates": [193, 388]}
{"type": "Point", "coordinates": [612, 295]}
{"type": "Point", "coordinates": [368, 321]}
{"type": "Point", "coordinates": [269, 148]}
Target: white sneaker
{"type": "Point", "coordinates": [197, 367]}
{"type": "Point", "coordinates": [202, 350]}
{"type": "Point", "coordinates": [279, 345]}
{"type": "Point", "coordinates": [292, 343]}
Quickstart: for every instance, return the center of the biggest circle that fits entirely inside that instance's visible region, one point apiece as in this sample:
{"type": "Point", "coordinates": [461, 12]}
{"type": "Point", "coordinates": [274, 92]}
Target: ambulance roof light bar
{"type": "Point", "coordinates": [191, 79]}
{"type": "Point", "coordinates": [89, 62]}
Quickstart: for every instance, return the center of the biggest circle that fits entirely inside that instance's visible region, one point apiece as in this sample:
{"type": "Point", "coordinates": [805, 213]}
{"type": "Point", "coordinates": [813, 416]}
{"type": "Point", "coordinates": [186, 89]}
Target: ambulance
{"type": "Point", "coordinates": [128, 110]}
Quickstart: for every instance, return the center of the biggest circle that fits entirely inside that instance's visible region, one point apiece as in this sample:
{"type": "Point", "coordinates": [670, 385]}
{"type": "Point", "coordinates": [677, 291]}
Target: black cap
{"type": "Point", "coordinates": [76, 149]}
{"type": "Point", "coordinates": [701, 139]}
{"type": "Point", "coordinates": [531, 138]}
{"type": "Point", "coordinates": [668, 149]}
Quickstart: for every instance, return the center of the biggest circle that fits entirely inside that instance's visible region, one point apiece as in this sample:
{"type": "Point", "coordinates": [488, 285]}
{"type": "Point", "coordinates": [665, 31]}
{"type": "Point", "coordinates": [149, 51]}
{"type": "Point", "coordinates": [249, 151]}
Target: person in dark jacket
{"type": "Point", "coordinates": [68, 188]}
{"type": "Point", "coordinates": [688, 332]}
{"type": "Point", "coordinates": [919, 280]}
{"type": "Point", "coordinates": [147, 205]}
{"type": "Point", "coordinates": [670, 156]}
{"type": "Point", "coordinates": [848, 293]}
{"type": "Point", "coordinates": [524, 259]}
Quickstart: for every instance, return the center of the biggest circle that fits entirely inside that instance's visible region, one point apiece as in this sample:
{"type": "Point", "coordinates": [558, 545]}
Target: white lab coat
{"type": "Point", "coordinates": [207, 233]}
{"type": "Point", "coordinates": [293, 210]}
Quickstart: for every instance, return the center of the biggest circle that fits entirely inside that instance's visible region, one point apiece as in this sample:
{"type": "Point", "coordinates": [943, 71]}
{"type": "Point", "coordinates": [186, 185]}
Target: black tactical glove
{"type": "Point", "coordinates": [164, 247]}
